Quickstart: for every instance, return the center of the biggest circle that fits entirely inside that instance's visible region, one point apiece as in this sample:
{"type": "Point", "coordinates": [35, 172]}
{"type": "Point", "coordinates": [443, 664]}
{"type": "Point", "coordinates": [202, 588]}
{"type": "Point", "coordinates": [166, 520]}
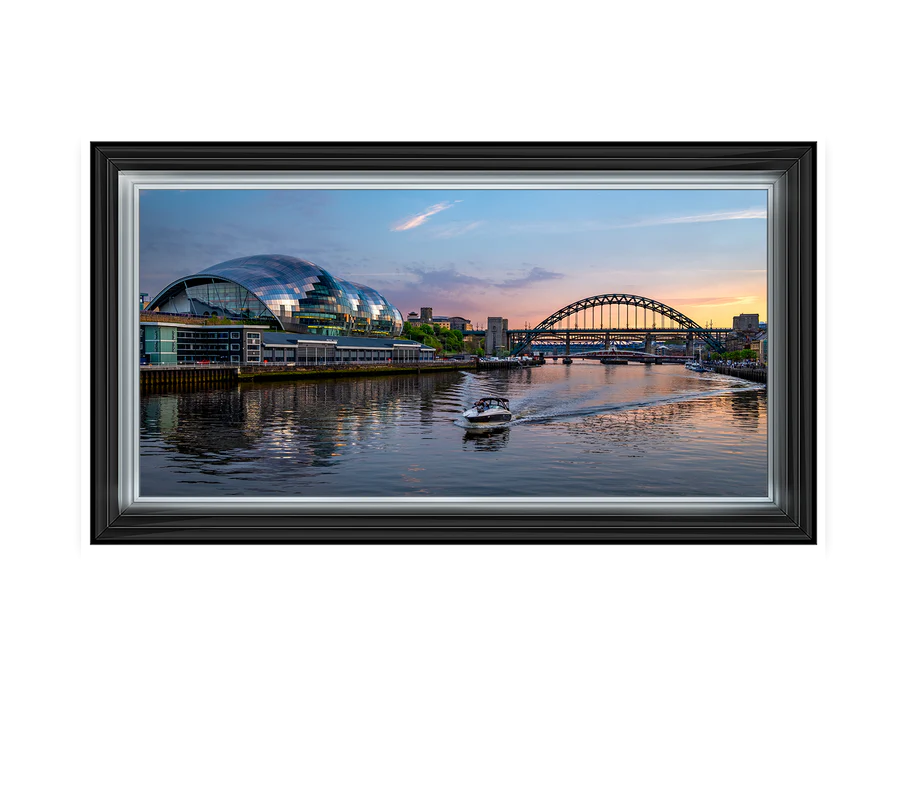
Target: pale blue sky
{"type": "Point", "coordinates": [517, 253]}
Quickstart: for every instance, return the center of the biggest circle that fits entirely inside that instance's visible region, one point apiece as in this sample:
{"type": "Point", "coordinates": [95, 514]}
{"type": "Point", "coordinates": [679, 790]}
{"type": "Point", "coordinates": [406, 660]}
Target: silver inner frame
{"type": "Point", "coordinates": [130, 183]}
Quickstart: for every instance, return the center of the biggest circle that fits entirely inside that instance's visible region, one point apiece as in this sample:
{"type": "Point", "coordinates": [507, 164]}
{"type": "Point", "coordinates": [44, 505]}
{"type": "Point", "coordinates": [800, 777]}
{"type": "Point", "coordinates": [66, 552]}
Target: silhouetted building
{"type": "Point", "coordinates": [458, 323]}
{"type": "Point", "coordinates": [496, 338]}
{"type": "Point", "coordinates": [438, 321]}
{"type": "Point", "coordinates": [746, 323]}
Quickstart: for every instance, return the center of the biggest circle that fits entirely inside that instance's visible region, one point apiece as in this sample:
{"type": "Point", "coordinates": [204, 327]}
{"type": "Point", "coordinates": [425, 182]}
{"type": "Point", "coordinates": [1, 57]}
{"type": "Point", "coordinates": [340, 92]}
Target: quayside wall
{"type": "Point", "coordinates": [278, 373]}
{"type": "Point", "coordinates": [749, 373]}
{"type": "Point", "coordinates": [167, 377]}
{"type": "Point", "coordinates": [163, 377]}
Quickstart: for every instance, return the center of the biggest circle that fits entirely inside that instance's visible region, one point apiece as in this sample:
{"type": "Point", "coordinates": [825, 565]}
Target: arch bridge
{"type": "Point", "coordinates": [601, 321]}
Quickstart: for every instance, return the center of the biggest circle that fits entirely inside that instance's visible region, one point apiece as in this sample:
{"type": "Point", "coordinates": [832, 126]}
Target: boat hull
{"type": "Point", "coordinates": [485, 419]}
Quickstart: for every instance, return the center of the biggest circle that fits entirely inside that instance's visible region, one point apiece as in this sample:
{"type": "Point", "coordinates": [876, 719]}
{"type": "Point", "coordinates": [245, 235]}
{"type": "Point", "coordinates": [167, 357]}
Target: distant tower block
{"type": "Point", "coordinates": [426, 314]}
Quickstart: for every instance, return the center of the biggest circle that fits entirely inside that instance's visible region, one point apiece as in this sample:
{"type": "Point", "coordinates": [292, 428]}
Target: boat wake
{"type": "Point", "coordinates": [531, 410]}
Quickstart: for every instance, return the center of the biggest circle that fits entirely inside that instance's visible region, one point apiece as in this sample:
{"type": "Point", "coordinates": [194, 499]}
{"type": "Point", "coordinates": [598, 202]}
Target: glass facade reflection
{"type": "Point", "coordinates": [295, 293]}
{"type": "Point", "coordinates": [158, 344]}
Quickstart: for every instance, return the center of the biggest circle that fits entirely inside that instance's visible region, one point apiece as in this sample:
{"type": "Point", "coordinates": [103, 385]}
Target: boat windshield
{"type": "Point", "coordinates": [492, 402]}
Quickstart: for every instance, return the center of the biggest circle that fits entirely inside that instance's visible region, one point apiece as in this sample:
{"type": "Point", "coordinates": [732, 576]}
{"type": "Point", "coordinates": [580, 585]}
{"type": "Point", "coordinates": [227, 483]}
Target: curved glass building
{"type": "Point", "coordinates": [296, 294]}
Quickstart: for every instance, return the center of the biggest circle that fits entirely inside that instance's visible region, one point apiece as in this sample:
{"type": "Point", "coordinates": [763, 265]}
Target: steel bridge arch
{"type": "Point", "coordinates": [609, 299]}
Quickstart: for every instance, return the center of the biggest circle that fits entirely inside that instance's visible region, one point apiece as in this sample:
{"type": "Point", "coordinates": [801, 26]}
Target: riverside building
{"type": "Point", "coordinates": [309, 349]}
{"type": "Point", "coordinates": [455, 323]}
{"type": "Point", "coordinates": [185, 343]}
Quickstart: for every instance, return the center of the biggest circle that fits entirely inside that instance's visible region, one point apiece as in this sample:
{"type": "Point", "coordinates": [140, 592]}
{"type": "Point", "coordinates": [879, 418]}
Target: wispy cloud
{"type": "Point", "coordinates": [417, 220]}
{"type": "Point", "coordinates": [448, 280]}
{"type": "Point", "coordinates": [459, 292]}
{"type": "Point", "coordinates": [727, 215]}
{"type": "Point", "coordinates": [536, 274]}
{"type": "Point", "coordinates": [588, 225]}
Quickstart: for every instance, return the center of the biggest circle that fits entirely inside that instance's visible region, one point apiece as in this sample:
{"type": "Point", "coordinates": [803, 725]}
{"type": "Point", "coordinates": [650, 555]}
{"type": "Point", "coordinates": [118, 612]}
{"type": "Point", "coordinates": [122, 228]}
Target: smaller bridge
{"type": "Point", "coordinates": [624, 356]}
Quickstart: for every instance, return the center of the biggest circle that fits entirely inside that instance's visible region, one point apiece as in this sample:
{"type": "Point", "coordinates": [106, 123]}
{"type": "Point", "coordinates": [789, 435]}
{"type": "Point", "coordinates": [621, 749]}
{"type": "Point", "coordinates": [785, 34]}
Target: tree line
{"type": "Point", "coordinates": [733, 356]}
{"type": "Point", "coordinates": [443, 340]}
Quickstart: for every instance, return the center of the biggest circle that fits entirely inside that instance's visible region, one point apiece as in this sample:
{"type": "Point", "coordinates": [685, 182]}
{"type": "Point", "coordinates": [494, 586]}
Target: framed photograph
{"type": "Point", "coordinates": [453, 343]}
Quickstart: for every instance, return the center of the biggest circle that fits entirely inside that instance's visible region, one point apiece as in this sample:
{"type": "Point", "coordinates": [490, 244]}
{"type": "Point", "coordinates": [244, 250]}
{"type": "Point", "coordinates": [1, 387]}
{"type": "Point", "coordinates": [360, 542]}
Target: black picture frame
{"type": "Point", "coordinates": [789, 518]}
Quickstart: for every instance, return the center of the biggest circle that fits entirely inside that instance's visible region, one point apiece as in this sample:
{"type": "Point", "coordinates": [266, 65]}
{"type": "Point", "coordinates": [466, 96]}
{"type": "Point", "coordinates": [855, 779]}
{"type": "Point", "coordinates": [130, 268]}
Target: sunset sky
{"type": "Point", "coordinates": [521, 254]}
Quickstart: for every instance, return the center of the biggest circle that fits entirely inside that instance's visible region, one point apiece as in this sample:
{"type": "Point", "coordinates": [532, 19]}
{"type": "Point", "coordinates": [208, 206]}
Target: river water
{"type": "Point", "coordinates": [587, 430]}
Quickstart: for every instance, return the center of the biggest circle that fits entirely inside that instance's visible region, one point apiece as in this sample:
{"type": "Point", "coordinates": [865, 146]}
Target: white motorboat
{"type": "Point", "coordinates": [489, 411]}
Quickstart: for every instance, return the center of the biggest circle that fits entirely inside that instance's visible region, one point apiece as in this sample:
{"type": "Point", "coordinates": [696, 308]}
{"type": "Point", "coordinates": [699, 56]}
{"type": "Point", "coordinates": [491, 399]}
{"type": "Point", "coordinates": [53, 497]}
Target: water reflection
{"type": "Point", "coordinates": [746, 408]}
{"type": "Point", "coordinates": [202, 421]}
{"type": "Point", "coordinates": [486, 440]}
{"type": "Point", "coordinates": [230, 432]}
{"type": "Point", "coordinates": [640, 431]}
{"type": "Point", "coordinates": [580, 430]}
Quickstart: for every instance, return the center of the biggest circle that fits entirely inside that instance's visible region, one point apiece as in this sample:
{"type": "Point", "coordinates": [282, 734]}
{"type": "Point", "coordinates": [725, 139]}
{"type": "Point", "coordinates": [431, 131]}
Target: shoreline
{"type": "Point", "coordinates": [167, 377]}
{"type": "Point", "coordinates": [269, 373]}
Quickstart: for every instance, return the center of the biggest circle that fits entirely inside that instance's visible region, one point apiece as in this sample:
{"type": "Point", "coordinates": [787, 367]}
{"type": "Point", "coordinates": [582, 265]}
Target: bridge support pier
{"type": "Point", "coordinates": [648, 344]}
{"type": "Point", "coordinates": [689, 345]}
{"type": "Point", "coordinates": [568, 344]}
